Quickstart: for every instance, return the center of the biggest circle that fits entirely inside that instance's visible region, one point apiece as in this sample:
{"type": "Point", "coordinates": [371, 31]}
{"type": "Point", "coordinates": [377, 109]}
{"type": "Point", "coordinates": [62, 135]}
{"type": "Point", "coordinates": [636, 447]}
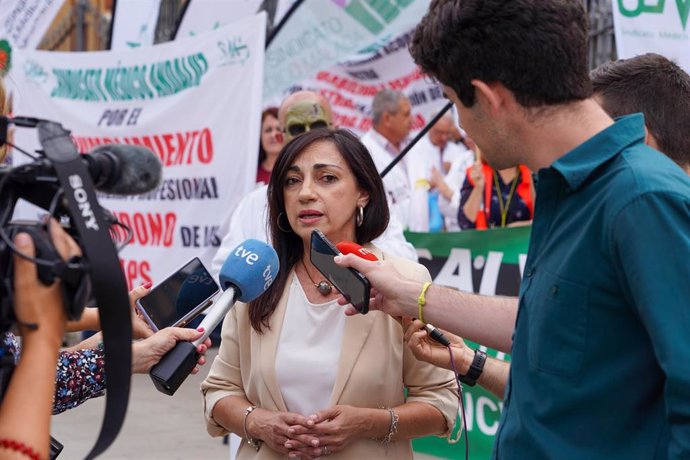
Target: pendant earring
{"type": "Point", "coordinates": [278, 224]}
{"type": "Point", "coordinates": [359, 220]}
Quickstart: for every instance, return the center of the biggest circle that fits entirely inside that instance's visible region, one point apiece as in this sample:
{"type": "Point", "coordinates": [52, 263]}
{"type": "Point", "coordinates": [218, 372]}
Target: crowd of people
{"type": "Point", "coordinates": [597, 162]}
{"type": "Point", "coordinates": [440, 185]}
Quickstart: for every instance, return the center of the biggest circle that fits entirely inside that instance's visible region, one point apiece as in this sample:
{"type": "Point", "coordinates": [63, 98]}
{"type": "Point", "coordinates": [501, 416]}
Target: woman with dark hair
{"type": "Point", "coordinates": [294, 376]}
{"type": "Point", "coordinates": [270, 143]}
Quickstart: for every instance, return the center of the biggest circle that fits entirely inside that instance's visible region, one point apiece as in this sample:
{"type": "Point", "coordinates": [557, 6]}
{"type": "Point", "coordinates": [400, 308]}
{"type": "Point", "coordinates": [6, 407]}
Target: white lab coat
{"type": "Point", "coordinates": [396, 182]}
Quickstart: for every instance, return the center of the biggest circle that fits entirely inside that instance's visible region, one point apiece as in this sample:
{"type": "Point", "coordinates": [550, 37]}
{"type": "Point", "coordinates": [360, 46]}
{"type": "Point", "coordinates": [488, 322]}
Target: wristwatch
{"type": "Point", "coordinates": [255, 443]}
{"type": "Point", "coordinates": [476, 369]}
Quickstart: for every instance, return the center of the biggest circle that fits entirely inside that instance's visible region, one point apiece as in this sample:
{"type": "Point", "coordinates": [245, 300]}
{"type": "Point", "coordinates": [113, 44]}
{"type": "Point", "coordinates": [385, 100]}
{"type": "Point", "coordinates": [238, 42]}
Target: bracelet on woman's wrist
{"type": "Point", "coordinates": [393, 428]}
{"type": "Point", "coordinates": [18, 446]}
{"type": "Point", "coordinates": [255, 443]}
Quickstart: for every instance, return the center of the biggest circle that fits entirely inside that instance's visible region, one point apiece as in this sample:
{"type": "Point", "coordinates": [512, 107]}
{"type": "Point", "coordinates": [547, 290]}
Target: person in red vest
{"type": "Point", "coordinates": [491, 198]}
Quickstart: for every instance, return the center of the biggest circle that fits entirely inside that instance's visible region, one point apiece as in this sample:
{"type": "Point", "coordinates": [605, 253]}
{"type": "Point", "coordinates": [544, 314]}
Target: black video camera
{"type": "Point", "coordinates": [61, 181]}
{"type": "Point", "coordinates": [41, 183]}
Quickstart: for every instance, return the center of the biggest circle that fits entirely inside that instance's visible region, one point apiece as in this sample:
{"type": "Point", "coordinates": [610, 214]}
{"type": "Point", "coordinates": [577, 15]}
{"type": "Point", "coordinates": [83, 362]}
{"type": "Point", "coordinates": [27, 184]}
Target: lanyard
{"type": "Point", "coordinates": [499, 193]}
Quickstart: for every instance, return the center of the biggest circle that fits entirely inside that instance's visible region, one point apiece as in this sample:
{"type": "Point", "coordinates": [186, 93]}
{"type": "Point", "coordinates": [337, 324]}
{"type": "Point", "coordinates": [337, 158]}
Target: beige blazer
{"type": "Point", "coordinates": [374, 368]}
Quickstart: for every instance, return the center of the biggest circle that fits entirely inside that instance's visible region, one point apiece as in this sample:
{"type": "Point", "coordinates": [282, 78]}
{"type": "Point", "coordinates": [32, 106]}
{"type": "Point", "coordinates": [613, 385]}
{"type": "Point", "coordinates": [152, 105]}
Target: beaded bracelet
{"type": "Point", "coordinates": [20, 447]}
{"type": "Point", "coordinates": [255, 443]}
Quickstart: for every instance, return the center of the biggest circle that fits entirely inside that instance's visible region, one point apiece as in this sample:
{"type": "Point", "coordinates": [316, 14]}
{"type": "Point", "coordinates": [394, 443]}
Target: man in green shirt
{"type": "Point", "coordinates": [599, 341]}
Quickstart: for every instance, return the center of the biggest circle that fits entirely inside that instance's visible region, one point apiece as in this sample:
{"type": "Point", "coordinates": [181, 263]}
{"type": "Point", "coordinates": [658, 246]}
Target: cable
{"type": "Point", "coordinates": [21, 150]}
{"type": "Point", "coordinates": [462, 402]}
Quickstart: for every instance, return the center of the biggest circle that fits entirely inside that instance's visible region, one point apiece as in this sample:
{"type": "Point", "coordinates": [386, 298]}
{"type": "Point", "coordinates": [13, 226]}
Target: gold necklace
{"type": "Point", "coordinates": [323, 286]}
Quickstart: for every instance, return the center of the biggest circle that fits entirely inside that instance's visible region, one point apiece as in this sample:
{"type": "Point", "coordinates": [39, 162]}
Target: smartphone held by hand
{"type": "Point", "coordinates": [349, 282]}
{"type": "Point", "coordinates": [180, 298]}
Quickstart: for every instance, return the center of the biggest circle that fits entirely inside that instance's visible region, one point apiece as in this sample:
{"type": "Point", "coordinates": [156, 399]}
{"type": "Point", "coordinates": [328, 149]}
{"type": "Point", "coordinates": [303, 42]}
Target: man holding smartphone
{"type": "Point", "coordinates": [598, 336]}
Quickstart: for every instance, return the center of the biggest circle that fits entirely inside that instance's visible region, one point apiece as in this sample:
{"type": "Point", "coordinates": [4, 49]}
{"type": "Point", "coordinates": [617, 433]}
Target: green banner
{"type": "Point", "coordinates": [488, 262]}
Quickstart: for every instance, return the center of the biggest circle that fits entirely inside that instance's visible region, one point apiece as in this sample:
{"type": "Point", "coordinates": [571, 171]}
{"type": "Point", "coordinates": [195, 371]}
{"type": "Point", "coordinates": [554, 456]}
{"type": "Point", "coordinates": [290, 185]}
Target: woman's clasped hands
{"type": "Point", "coordinates": [326, 432]}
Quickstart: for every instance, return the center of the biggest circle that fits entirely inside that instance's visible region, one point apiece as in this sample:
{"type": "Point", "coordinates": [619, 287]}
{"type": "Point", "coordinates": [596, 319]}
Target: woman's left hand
{"type": "Point", "coordinates": [148, 352]}
{"type": "Point", "coordinates": [335, 428]}
{"type": "Point", "coordinates": [140, 328]}
{"type": "Point", "coordinates": [424, 348]}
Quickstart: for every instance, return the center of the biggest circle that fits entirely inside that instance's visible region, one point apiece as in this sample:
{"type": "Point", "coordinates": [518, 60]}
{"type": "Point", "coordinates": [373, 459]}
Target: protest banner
{"type": "Point", "coordinates": [322, 32]}
{"type": "Point", "coordinates": [195, 102]}
{"type": "Point", "coordinates": [487, 262]}
{"type": "Point", "coordinates": [658, 26]}
{"type": "Point", "coordinates": [134, 23]}
{"type": "Point", "coordinates": [204, 15]}
{"type": "Point", "coordinates": [350, 85]}
{"type": "Point", "coordinates": [24, 22]}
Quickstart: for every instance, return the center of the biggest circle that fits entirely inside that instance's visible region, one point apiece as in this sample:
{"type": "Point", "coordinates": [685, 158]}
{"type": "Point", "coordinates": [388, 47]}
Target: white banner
{"type": "Point", "coordinates": [350, 86]}
{"type": "Point", "coordinates": [134, 23]}
{"type": "Point", "coordinates": [659, 26]}
{"type": "Point", "coordinates": [204, 15]}
{"type": "Point", "coordinates": [24, 22]}
{"type": "Point", "coordinates": [195, 102]}
{"type": "Point", "coordinates": [322, 32]}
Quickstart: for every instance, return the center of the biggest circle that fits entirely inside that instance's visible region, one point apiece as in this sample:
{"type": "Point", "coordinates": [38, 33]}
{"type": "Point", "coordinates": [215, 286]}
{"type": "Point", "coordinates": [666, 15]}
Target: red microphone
{"type": "Point", "coordinates": [348, 247]}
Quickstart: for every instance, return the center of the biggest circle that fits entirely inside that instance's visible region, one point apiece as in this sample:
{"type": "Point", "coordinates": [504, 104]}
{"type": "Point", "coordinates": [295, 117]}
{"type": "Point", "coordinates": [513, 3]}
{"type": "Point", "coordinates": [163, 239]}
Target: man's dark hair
{"type": "Point", "coordinates": [658, 88]}
{"type": "Point", "coordinates": [287, 243]}
{"type": "Point", "coordinates": [536, 49]}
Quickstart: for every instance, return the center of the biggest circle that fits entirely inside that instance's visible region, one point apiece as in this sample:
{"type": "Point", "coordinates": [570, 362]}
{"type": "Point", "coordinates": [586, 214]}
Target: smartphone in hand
{"type": "Point", "coordinates": [180, 298]}
{"type": "Point", "coordinates": [349, 282]}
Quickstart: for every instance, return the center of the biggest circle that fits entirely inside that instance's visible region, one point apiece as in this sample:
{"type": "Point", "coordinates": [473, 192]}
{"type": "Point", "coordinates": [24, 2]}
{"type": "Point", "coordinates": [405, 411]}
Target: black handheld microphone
{"type": "Point", "coordinates": [436, 335]}
{"type": "Point", "coordinates": [247, 272]}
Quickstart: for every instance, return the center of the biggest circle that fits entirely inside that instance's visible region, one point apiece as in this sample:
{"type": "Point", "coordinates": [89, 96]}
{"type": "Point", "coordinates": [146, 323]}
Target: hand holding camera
{"type": "Point", "coordinates": [39, 307]}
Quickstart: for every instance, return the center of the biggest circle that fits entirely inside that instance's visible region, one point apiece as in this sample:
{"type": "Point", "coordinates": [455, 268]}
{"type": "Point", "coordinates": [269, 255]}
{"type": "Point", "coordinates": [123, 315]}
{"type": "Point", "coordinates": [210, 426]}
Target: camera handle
{"type": "Point", "coordinates": [108, 281]}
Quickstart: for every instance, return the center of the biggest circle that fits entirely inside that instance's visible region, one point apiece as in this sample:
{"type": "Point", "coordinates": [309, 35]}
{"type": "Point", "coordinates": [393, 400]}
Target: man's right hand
{"type": "Point", "coordinates": [391, 292]}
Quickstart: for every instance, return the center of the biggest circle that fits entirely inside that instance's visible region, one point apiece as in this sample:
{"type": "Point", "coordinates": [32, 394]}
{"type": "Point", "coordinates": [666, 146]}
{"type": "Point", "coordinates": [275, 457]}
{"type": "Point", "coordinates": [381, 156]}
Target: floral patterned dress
{"type": "Point", "coordinates": [80, 374]}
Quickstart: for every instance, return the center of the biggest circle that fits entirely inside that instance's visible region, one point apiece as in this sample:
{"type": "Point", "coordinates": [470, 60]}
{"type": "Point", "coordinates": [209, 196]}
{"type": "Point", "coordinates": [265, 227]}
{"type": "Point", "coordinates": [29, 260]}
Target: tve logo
{"type": "Point", "coordinates": [249, 257]}
{"type": "Point", "coordinates": [268, 276]}
{"type": "Point", "coordinates": [634, 8]}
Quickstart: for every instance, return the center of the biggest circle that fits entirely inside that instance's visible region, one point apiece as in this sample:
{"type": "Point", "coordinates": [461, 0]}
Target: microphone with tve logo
{"type": "Point", "coordinates": [348, 247]}
{"type": "Point", "coordinates": [247, 272]}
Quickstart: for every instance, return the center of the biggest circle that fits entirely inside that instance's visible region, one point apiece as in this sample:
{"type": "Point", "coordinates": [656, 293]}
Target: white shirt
{"type": "Point", "coordinates": [420, 159]}
{"type": "Point", "coordinates": [250, 220]}
{"type": "Point", "coordinates": [308, 352]}
{"type": "Point", "coordinates": [396, 183]}
{"type": "Point", "coordinates": [464, 158]}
